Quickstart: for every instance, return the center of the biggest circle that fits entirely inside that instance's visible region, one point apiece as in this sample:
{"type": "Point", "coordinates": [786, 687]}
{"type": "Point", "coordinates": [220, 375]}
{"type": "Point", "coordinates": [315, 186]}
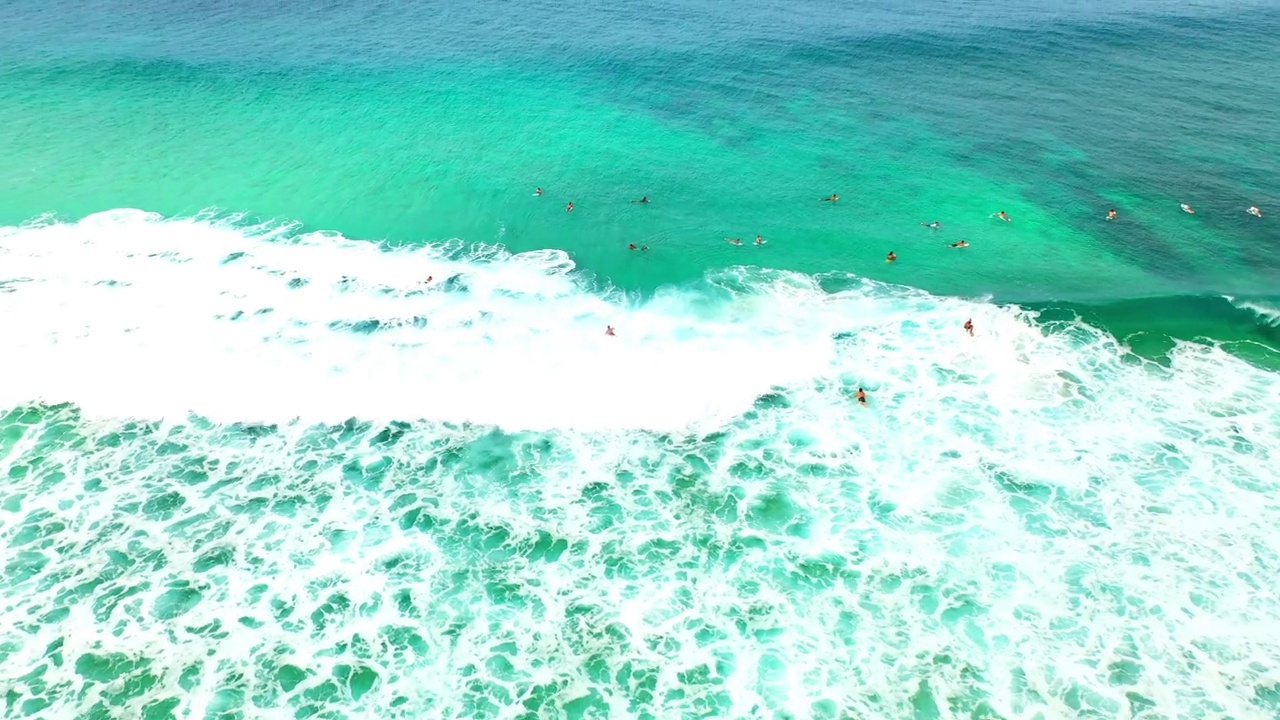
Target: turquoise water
{"type": "Point", "coordinates": [257, 467]}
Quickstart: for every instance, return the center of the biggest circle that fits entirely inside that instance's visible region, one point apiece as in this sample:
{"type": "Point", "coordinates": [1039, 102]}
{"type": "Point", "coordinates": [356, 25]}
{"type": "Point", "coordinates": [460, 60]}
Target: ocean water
{"type": "Point", "coordinates": [253, 465]}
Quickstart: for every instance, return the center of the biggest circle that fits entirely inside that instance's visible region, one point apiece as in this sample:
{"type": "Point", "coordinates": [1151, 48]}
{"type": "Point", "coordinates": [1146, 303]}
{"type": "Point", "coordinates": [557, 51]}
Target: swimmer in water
{"type": "Point", "coordinates": [643, 248]}
{"type": "Point", "coordinates": [1254, 211]}
{"type": "Point", "coordinates": [1187, 209]}
{"type": "Point", "coordinates": [568, 208]}
{"type": "Point", "coordinates": [862, 396]}
{"type": "Point", "coordinates": [932, 226]}
{"type": "Point", "coordinates": [608, 330]}
{"type": "Point", "coordinates": [538, 192]}
{"type": "Point", "coordinates": [960, 243]}
{"type": "Point", "coordinates": [1111, 214]}
{"type": "Point", "coordinates": [1003, 216]}
{"type": "Point", "coordinates": [891, 257]}
{"type": "Point", "coordinates": [759, 240]}
{"type": "Point", "coordinates": [733, 241]}
{"type": "Point", "coordinates": [968, 326]}
{"type": "Point", "coordinates": [834, 197]}
{"type": "Point", "coordinates": [632, 246]}
{"type": "Point", "coordinates": [642, 201]}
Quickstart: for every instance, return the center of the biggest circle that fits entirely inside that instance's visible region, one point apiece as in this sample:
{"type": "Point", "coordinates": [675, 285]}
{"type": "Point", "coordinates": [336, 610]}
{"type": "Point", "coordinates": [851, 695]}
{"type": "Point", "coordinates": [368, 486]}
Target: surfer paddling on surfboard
{"type": "Point", "coordinates": [1187, 209]}
{"type": "Point", "coordinates": [1254, 211]}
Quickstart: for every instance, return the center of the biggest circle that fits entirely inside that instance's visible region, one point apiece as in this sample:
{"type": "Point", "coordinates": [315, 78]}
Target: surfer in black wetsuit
{"type": "Point", "coordinates": [642, 201]}
{"type": "Point", "coordinates": [932, 226]}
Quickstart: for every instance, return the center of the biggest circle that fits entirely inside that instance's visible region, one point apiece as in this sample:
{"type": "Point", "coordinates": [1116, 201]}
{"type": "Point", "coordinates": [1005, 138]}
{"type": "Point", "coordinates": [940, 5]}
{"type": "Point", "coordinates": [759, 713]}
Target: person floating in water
{"type": "Point", "coordinates": [1111, 214]}
{"type": "Point", "coordinates": [892, 256]}
{"type": "Point", "coordinates": [608, 330]}
{"type": "Point", "coordinates": [568, 208]}
{"type": "Point", "coordinates": [733, 241]}
{"type": "Point", "coordinates": [643, 248]}
{"type": "Point", "coordinates": [632, 246]}
{"type": "Point", "coordinates": [862, 396]}
{"type": "Point", "coordinates": [538, 192]}
{"type": "Point", "coordinates": [960, 243]}
{"type": "Point", "coordinates": [834, 197]}
{"type": "Point", "coordinates": [1254, 211]}
{"type": "Point", "coordinates": [642, 201]}
{"type": "Point", "coordinates": [1187, 209]}
{"type": "Point", "coordinates": [932, 225]}
{"type": "Point", "coordinates": [759, 240]}
{"type": "Point", "coordinates": [1003, 216]}
{"type": "Point", "coordinates": [968, 326]}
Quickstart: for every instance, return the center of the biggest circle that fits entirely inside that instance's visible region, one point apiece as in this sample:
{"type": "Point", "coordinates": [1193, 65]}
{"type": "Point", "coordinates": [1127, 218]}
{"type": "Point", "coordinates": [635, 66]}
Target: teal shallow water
{"type": "Point", "coordinates": [255, 468]}
{"type": "Point", "coordinates": [950, 122]}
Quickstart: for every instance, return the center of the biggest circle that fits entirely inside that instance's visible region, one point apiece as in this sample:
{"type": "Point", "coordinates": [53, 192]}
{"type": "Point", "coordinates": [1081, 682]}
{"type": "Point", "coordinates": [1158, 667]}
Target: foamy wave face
{"type": "Point", "coordinates": [1027, 522]}
{"type": "Point", "coordinates": [127, 315]}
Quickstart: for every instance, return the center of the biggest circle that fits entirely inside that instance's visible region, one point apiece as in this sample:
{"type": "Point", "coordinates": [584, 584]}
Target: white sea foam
{"type": "Point", "coordinates": [1266, 311]}
{"type": "Point", "coordinates": [138, 317]}
{"type": "Point", "coordinates": [1027, 523]}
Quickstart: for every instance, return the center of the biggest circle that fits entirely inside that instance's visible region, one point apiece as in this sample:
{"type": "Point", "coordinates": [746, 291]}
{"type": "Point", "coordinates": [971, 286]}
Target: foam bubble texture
{"type": "Point", "coordinates": [1027, 523]}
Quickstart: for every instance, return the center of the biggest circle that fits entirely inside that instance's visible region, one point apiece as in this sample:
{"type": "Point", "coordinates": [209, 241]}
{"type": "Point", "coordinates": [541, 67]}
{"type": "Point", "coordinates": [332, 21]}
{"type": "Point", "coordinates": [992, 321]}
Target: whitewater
{"type": "Point", "coordinates": [256, 470]}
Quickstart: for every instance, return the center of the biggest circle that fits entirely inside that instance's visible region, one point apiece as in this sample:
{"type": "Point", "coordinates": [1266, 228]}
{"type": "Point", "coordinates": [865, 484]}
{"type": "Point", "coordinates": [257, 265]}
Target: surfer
{"type": "Point", "coordinates": [1111, 214]}
{"type": "Point", "coordinates": [632, 246]}
{"type": "Point", "coordinates": [428, 280]}
{"type": "Point", "coordinates": [642, 201]}
{"type": "Point", "coordinates": [568, 208]}
{"type": "Point", "coordinates": [862, 396]}
{"type": "Point", "coordinates": [1003, 216]}
{"type": "Point", "coordinates": [932, 226]}
{"type": "Point", "coordinates": [608, 330]}
{"type": "Point", "coordinates": [960, 243]}
{"type": "Point", "coordinates": [1187, 209]}
{"type": "Point", "coordinates": [733, 241]}
{"type": "Point", "coordinates": [1254, 211]}
{"type": "Point", "coordinates": [892, 256]}
{"type": "Point", "coordinates": [538, 192]}
{"type": "Point", "coordinates": [834, 197]}
{"type": "Point", "coordinates": [759, 240]}
{"type": "Point", "coordinates": [643, 248]}
{"type": "Point", "coordinates": [968, 326]}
